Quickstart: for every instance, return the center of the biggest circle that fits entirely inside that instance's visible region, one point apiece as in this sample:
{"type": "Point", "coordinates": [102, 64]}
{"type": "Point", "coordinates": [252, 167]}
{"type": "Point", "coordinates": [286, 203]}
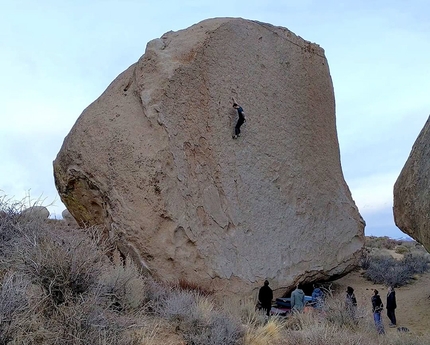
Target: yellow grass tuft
{"type": "Point", "coordinates": [267, 334]}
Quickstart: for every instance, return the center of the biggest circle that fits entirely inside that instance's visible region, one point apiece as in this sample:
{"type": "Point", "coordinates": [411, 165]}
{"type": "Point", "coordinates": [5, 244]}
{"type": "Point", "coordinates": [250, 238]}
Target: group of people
{"type": "Point", "coordinates": [265, 297]}
{"type": "Point", "coordinates": [377, 307]}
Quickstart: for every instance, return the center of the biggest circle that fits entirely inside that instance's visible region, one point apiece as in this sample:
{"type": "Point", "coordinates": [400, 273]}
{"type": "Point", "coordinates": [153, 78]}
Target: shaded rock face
{"type": "Point", "coordinates": [153, 159]}
{"type": "Point", "coordinates": [412, 191]}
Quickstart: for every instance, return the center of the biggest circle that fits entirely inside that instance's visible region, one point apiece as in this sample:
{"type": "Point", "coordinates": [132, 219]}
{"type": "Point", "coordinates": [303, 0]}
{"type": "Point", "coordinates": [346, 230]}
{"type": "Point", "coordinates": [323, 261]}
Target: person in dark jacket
{"type": "Point", "coordinates": [351, 302]}
{"type": "Point", "coordinates": [391, 306]}
{"type": "Point", "coordinates": [240, 121]}
{"type": "Point", "coordinates": [265, 296]}
{"type": "Point", "coordinates": [377, 308]}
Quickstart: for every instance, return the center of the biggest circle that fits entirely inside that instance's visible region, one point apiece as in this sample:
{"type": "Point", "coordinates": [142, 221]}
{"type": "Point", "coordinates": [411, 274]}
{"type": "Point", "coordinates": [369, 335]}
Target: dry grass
{"type": "Point", "coordinates": [269, 333]}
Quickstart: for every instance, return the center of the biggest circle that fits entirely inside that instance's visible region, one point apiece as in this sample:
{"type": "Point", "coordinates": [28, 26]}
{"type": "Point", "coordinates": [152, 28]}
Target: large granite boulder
{"type": "Point", "coordinates": [412, 191]}
{"type": "Point", "coordinates": [153, 159]}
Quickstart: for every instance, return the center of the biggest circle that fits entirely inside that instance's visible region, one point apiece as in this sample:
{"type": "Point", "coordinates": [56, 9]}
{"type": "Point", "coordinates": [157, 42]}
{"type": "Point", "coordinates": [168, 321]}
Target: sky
{"type": "Point", "coordinates": [57, 57]}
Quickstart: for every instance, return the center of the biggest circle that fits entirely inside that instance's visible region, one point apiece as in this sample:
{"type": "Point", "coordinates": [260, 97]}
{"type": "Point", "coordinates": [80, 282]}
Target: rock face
{"type": "Point", "coordinates": [412, 191]}
{"type": "Point", "coordinates": [154, 160]}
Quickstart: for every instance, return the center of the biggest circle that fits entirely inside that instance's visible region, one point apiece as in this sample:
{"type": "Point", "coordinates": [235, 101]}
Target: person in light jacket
{"type": "Point", "coordinates": [298, 299]}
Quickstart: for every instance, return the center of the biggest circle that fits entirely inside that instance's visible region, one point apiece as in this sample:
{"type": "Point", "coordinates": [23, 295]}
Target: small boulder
{"type": "Point", "coordinates": [39, 212]}
{"type": "Point", "coordinates": [68, 218]}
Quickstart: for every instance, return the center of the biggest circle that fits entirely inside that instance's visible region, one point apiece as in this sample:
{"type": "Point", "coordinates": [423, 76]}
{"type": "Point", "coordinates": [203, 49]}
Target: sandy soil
{"type": "Point", "coordinates": [413, 302]}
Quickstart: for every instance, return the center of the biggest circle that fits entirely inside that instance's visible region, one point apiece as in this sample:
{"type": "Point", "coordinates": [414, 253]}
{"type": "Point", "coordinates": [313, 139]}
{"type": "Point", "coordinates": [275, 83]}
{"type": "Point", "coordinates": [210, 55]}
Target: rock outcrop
{"type": "Point", "coordinates": [33, 212]}
{"type": "Point", "coordinates": [68, 218]}
{"type": "Point", "coordinates": [153, 159]}
{"type": "Point", "coordinates": [412, 191]}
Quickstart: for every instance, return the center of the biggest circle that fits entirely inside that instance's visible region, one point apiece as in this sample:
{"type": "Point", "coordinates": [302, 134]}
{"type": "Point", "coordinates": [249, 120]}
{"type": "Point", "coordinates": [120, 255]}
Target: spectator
{"type": "Point", "coordinates": [377, 308]}
{"type": "Point", "coordinates": [265, 296]}
{"type": "Point", "coordinates": [317, 297]}
{"type": "Point", "coordinates": [391, 306]}
{"type": "Point", "coordinates": [298, 299]}
{"type": "Point", "coordinates": [351, 302]}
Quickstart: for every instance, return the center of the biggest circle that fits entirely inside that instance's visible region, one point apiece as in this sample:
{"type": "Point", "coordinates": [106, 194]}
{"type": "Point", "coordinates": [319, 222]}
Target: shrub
{"type": "Point", "coordinates": [123, 287]}
{"type": "Point", "coordinates": [65, 267]}
{"type": "Point", "coordinates": [389, 271]}
{"type": "Point", "coordinates": [365, 260]}
{"type": "Point", "coordinates": [418, 263]}
{"type": "Point", "coordinates": [264, 334]}
{"type": "Point", "coordinates": [382, 242]}
{"type": "Point", "coordinates": [401, 249]}
{"type": "Point", "coordinates": [197, 319]}
{"type": "Point", "coordinates": [13, 305]}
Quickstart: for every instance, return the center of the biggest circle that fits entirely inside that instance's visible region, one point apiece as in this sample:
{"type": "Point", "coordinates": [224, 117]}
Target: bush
{"type": "Point", "coordinates": [123, 287]}
{"type": "Point", "coordinates": [401, 249]}
{"type": "Point", "coordinates": [13, 305]}
{"type": "Point", "coordinates": [382, 242]}
{"type": "Point", "coordinates": [391, 272]}
{"type": "Point", "coordinates": [65, 267]}
{"type": "Point", "coordinates": [197, 319]}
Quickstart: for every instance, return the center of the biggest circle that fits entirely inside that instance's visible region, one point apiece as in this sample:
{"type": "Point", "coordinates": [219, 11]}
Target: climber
{"type": "Point", "coordinates": [241, 119]}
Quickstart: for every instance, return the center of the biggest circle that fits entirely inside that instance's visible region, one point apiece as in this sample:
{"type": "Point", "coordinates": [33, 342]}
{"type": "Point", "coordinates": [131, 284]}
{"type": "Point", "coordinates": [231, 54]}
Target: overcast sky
{"type": "Point", "coordinates": [56, 57]}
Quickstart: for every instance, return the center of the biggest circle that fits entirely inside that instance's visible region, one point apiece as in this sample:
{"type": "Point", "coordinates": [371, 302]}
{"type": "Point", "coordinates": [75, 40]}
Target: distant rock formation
{"type": "Point", "coordinates": [412, 191]}
{"type": "Point", "coordinates": [68, 218]}
{"type": "Point", "coordinates": [153, 159]}
{"type": "Point", "coordinates": [40, 212]}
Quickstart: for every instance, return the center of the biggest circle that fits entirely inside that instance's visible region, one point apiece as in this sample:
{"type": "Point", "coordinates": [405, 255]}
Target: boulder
{"type": "Point", "coordinates": [39, 212]}
{"type": "Point", "coordinates": [153, 160]}
{"type": "Point", "coordinates": [412, 191]}
{"type": "Point", "coordinates": [68, 218]}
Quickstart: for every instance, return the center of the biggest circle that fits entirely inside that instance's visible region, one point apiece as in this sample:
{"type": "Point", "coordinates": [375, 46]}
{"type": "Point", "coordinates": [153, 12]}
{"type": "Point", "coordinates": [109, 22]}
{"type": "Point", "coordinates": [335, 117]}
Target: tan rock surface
{"type": "Point", "coordinates": [154, 160]}
{"type": "Point", "coordinates": [412, 191]}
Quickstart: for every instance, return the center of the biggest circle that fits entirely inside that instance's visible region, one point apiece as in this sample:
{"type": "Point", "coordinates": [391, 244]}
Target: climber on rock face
{"type": "Point", "coordinates": [241, 119]}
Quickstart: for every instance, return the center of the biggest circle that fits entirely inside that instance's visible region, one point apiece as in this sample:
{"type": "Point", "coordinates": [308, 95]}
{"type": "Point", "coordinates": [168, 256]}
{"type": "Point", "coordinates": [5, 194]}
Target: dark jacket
{"type": "Point", "coordinates": [377, 305]}
{"type": "Point", "coordinates": [265, 295]}
{"type": "Point", "coordinates": [391, 300]}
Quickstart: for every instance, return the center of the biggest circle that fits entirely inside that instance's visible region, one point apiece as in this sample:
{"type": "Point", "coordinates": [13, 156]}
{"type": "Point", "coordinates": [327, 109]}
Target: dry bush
{"type": "Point", "coordinates": [244, 309]}
{"type": "Point", "coordinates": [156, 331]}
{"type": "Point", "coordinates": [192, 286]}
{"type": "Point", "coordinates": [65, 266]}
{"type": "Point", "coordinates": [401, 249]}
{"type": "Point", "coordinates": [197, 319]}
{"type": "Point", "coordinates": [389, 271]}
{"type": "Point", "coordinates": [269, 333]}
{"type": "Point", "coordinates": [13, 305]}
{"type": "Point", "coordinates": [57, 286]}
{"type": "Point", "coordinates": [382, 242]}
{"type": "Point", "coordinates": [123, 287]}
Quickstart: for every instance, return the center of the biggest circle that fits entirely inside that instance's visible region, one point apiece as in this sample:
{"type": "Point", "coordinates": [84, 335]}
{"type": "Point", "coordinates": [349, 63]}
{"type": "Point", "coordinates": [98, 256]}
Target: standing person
{"type": "Point", "coordinates": [265, 296]}
{"type": "Point", "coordinates": [240, 121]}
{"type": "Point", "coordinates": [351, 302]}
{"type": "Point", "coordinates": [377, 308]}
{"type": "Point", "coordinates": [391, 306]}
{"type": "Point", "coordinates": [298, 299]}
